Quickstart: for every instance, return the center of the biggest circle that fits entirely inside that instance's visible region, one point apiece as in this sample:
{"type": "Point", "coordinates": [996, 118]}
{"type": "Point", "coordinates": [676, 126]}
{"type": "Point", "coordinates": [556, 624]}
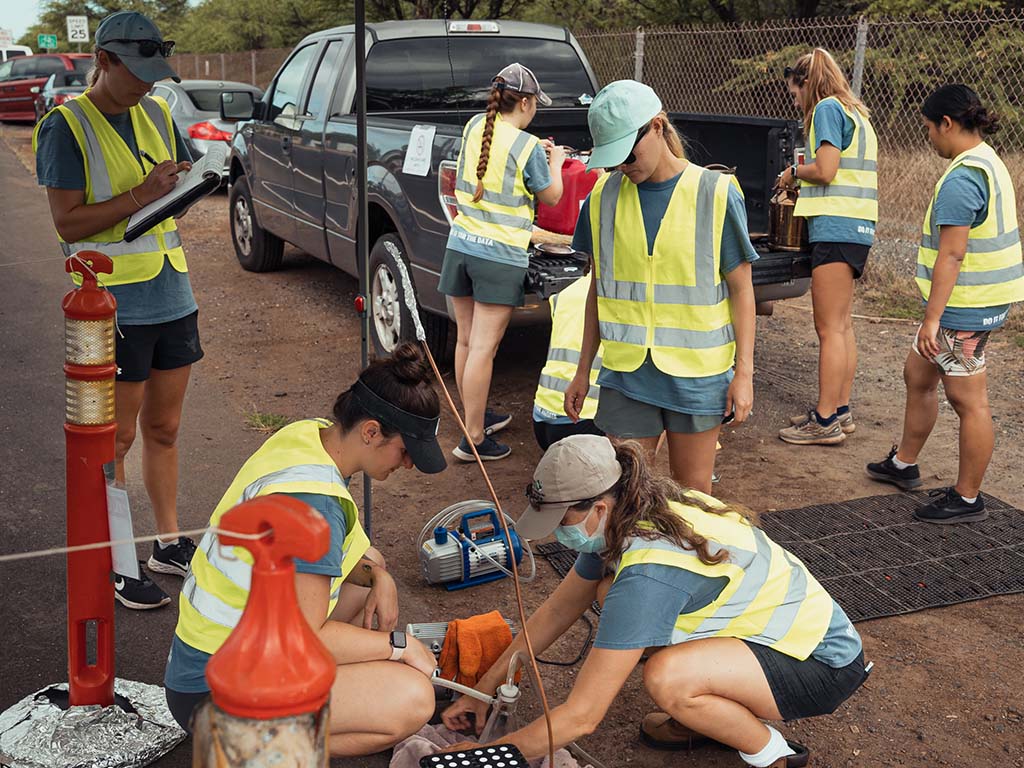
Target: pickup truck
{"type": "Point", "coordinates": [292, 161]}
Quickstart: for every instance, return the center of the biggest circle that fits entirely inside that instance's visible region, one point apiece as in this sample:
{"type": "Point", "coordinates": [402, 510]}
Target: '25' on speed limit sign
{"type": "Point", "coordinates": [78, 29]}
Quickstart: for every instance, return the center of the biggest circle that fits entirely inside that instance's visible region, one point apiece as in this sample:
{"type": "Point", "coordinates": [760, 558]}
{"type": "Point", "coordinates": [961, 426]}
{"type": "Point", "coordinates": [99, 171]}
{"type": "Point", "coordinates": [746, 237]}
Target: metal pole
{"type": "Point", "coordinates": [253, 57]}
{"type": "Point", "coordinates": [362, 218]}
{"type": "Point", "coordinates": [223, 71]}
{"type": "Point", "coordinates": [858, 57]}
{"type": "Point", "coordinates": [638, 64]}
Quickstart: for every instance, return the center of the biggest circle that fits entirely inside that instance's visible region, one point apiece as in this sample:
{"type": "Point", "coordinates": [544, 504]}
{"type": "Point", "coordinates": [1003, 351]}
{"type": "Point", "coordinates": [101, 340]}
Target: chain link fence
{"type": "Point", "coordinates": [255, 67]}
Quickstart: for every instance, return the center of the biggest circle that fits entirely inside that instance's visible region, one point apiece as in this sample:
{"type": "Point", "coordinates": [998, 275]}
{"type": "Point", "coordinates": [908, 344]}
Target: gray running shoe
{"type": "Point", "coordinates": [813, 433]}
{"type": "Point", "coordinates": [845, 421]}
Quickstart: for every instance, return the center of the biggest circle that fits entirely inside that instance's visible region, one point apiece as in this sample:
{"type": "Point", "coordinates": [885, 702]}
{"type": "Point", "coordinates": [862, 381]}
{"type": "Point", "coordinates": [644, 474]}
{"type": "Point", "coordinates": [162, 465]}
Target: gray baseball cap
{"type": "Point", "coordinates": [138, 44]}
{"type": "Point", "coordinates": [520, 78]}
{"type": "Point", "coordinates": [572, 470]}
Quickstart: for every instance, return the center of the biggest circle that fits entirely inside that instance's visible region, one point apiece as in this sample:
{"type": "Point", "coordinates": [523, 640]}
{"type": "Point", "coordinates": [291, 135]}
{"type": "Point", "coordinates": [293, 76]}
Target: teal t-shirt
{"type": "Point", "coordinates": [833, 126]}
{"type": "Point", "coordinates": [963, 202]}
{"type": "Point", "coordinates": [641, 609]}
{"type": "Point", "coordinates": [186, 666]}
{"type": "Point", "coordinates": [60, 165]}
{"type": "Point", "coordinates": [698, 396]}
{"type": "Point", "coordinates": [537, 178]}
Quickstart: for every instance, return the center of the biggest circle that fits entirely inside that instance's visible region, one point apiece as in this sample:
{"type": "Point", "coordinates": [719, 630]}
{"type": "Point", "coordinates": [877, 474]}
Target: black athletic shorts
{"type": "Point", "coordinates": [808, 688]}
{"type": "Point", "coordinates": [162, 346]}
{"type": "Point", "coordinates": [854, 254]}
{"type": "Point", "coordinates": [182, 705]}
{"type": "Point", "coordinates": [548, 433]}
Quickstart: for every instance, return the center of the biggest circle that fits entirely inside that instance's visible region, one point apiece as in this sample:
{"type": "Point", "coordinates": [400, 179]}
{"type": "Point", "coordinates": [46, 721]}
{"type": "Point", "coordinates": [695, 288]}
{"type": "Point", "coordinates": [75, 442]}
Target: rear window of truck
{"type": "Point", "coordinates": [415, 74]}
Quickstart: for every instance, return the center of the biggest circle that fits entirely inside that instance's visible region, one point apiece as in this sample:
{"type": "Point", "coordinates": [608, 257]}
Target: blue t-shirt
{"type": "Point", "coordinates": [963, 202]}
{"type": "Point", "coordinates": [698, 396]}
{"type": "Point", "coordinates": [641, 609]}
{"type": "Point", "coordinates": [60, 165]}
{"type": "Point", "coordinates": [186, 666]}
{"type": "Point", "coordinates": [537, 178]}
{"type": "Point", "coordinates": [833, 126]}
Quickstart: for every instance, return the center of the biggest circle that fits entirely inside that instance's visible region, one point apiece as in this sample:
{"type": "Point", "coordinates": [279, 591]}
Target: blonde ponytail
{"type": "Point", "coordinates": [822, 77]}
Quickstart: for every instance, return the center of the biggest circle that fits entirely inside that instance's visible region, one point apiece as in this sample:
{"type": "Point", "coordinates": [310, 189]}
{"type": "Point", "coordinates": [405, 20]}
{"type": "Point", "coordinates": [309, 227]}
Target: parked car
{"type": "Point", "coordinates": [195, 108]}
{"type": "Point", "coordinates": [10, 51]}
{"type": "Point", "coordinates": [293, 163]}
{"type": "Point", "coordinates": [23, 76]}
{"type": "Point", "coordinates": [57, 89]}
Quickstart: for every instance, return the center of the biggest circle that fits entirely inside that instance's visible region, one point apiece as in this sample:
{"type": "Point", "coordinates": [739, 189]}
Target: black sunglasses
{"type": "Point", "coordinates": [149, 48]}
{"type": "Point", "coordinates": [797, 76]}
{"type": "Point", "coordinates": [631, 157]}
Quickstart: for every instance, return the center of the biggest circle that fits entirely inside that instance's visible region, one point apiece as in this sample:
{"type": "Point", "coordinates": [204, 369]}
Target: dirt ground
{"type": "Point", "coordinates": [947, 684]}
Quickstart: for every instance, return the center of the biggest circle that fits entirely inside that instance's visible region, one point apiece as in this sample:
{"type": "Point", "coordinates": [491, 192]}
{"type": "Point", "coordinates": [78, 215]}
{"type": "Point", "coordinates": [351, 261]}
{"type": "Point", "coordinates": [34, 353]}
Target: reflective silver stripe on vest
{"type": "Point", "coordinates": [686, 339]}
{"type": "Point", "coordinates": [560, 385]}
{"type": "Point", "coordinates": [975, 244]}
{"type": "Point", "coordinates": [156, 114]}
{"type": "Point", "coordinates": [99, 174]}
{"type": "Point", "coordinates": [234, 569]}
{"type": "Point", "coordinates": [506, 196]}
{"type": "Point", "coordinates": [784, 616]}
{"type": "Point", "coordinates": [562, 355]}
{"type": "Point", "coordinates": [987, 277]}
{"type": "Point", "coordinates": [856, 164]}
{"type": "Point", "coordinates": [607, 285]}
{"type": "Point", "coordinates": [144, 244]}
{"type": "Point", "coordinates": [209, 606]}
{"type": "Point", "coordinates": [623, 333]}
{"type": "Point", "coordinates": [839, 190]}
{"type": "Point", "coordinates": [498, 219]}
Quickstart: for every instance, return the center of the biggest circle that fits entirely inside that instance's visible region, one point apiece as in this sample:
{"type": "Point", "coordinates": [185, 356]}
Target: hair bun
{"type": "Point", "coordinates": [409, 365]}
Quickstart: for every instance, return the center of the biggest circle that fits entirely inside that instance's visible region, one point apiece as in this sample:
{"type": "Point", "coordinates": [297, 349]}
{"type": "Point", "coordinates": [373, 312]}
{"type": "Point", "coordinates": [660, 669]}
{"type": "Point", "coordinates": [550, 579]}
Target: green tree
{"type": "Point", "coordinates": [166, 13]}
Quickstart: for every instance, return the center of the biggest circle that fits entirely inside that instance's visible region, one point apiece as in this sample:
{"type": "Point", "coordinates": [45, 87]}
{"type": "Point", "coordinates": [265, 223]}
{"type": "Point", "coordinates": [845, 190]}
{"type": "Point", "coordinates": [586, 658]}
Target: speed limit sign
{"type": "Point", "coordinates": [78, 29]}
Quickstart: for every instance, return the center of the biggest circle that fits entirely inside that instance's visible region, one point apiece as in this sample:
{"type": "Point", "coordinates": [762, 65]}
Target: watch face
{"type": "Point", "coordinates": [398, 639]}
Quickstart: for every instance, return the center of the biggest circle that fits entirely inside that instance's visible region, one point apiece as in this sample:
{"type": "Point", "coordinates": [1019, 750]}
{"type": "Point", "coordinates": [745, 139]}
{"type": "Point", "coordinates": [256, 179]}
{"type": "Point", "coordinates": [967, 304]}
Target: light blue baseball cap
{"type": "Point", "coordinates": [619, 110]}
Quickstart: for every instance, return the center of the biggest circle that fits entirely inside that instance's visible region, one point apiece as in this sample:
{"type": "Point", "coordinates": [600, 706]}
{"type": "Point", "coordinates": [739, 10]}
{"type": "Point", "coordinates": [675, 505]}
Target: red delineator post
{"type": "Point", "coordinates": [89, 430]}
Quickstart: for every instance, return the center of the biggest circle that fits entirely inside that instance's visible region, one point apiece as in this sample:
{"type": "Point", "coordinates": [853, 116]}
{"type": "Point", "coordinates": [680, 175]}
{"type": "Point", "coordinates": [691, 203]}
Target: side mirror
{"type": "Point", "coordinates": [34, 89]}
{"type": "Point", "coordinates": [237, 105]}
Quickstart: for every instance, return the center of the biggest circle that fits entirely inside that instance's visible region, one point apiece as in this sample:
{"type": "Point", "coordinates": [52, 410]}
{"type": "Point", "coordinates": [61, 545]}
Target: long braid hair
{"type": "Point", "coordinates": [501, 99]}
{"type": "Point", "coordinates": [641, 509]}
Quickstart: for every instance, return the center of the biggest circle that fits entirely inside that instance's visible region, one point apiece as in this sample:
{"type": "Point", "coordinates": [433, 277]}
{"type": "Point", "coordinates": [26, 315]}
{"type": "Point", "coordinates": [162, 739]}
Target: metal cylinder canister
{"type": "Point", "coordinates": [786, 231]}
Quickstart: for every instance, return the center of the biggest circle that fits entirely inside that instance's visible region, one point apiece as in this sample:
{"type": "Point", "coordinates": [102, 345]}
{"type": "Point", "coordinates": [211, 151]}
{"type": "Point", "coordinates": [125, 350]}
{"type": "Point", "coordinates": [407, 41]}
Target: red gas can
{"type": "Point", "coordinates": [576, 185]}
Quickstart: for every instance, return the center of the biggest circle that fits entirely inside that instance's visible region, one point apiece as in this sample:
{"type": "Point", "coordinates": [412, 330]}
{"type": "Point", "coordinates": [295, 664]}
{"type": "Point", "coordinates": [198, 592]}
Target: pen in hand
{"type": "Point", "coordinates": [146, 156]}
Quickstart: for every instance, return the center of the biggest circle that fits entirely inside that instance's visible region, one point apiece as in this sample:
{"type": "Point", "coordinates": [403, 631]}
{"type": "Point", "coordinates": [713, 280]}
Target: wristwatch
{"type": "Point", "coordinates": [398, 645]}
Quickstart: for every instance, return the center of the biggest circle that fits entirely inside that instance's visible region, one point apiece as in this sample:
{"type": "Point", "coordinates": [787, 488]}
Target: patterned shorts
{"type": "Point", "coordinates": [961, 353]}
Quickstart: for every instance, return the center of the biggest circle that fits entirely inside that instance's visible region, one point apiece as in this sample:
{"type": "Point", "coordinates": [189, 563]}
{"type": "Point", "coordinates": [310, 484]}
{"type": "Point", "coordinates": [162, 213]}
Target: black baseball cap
{"type": "Point", "coordinates": [419, 433]}
{"type": "Point", "coordinates": [129, 35]}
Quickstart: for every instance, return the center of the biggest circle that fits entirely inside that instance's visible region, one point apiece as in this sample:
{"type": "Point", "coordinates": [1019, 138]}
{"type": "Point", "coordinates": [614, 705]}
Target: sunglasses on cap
{"type": "Point", "coordinates": [536, 498]}
{"type": "Point", "coordinates": [795, 74]}
{"type": "Point", "coordinates": [631, 157]}
{"type": "Point", "coordinates": [149, 48]}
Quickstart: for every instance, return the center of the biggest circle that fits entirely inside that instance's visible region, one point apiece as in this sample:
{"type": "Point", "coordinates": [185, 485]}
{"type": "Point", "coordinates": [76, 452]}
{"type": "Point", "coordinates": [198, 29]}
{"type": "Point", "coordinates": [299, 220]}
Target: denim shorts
{"type": "Point", "coordinates": [807, 688]}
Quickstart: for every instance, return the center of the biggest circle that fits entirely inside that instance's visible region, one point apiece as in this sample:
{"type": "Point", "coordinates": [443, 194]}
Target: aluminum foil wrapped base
{"type": "Point", "coordinates": [38, 732]}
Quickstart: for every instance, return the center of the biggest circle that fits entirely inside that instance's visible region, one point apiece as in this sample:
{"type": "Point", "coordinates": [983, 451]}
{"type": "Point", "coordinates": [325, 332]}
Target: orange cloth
{"type": "Point", "coordinates": [471, 646]}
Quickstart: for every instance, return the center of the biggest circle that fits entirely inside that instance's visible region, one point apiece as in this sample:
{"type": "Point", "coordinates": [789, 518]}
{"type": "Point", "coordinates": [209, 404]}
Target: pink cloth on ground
{"type": "Point", "coordinates": [431, 739]}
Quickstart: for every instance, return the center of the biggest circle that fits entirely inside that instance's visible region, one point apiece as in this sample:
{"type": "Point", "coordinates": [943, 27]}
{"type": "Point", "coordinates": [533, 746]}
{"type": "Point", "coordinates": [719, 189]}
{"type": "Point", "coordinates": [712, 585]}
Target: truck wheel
{"type": "Point", "coordinates": [390, 320]}
{"type": "Point", "coordinates": [257, 250]}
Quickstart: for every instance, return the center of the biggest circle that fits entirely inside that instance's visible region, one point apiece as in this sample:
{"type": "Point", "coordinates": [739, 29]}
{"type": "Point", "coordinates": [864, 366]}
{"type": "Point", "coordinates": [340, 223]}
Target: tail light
{"type": "Point", "coordinates": [207, 131]}
{"type": "Point", "coordinates": [447, 173]}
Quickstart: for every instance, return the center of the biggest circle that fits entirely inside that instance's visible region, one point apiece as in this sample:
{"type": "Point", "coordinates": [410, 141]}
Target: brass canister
{"type": "Point", "coordinates": [787, 232]}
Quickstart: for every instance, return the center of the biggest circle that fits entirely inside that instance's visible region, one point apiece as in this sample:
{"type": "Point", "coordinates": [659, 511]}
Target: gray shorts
{"type": "Point", "coordinates": [489, 282]}
{"type": "Point", "coordinates": [622, 416]}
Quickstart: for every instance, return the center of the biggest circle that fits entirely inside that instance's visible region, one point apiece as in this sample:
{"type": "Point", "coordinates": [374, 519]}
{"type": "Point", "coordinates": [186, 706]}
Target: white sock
{"type": "Point", "coordinates": [901, 464]}
{"type": "Point", "coordinates": [970, 500]}
{"type": "Point", "coordinates": [166, 544]}
{"type": "Point", "coordinates": [772, 751]}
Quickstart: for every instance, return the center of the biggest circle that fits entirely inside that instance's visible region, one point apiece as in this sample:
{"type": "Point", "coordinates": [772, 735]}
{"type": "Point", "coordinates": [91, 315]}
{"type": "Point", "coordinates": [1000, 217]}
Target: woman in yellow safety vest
{"type": "Point", "coordinates": [501, 170]}
{"type": "Point", "coordinates": [102, 156]}
{"type": "Point", "coordinates": [671, 299]}
{"type": "Point", "coordinates": [969, 271]}
{"type": "Point", "coordinates": [839, 198]}
{"type": "Point", "coordinates": [385, 421]}
{"type": "Point", "coordinates": [736, 627]}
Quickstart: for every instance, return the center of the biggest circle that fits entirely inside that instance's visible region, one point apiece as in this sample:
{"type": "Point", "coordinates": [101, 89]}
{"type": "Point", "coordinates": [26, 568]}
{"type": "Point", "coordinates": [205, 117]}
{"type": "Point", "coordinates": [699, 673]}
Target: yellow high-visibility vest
{"type": "Point", "coordinates": [673, 302]}
{"type": "Point", "coordinates": [567, 313]}
{"type": "Point", "coordinates": [216, 587]}
{"type": "Point", "coordinates": [854, 190]}
{"type": "Point", "coordinates": [991, 273]}
{"type": "Point", "coordinates": [111, 170]}
{"type": "Point", "coordinates": [771, 598]}
{"type": "Point", "coordinates": [503, 217]}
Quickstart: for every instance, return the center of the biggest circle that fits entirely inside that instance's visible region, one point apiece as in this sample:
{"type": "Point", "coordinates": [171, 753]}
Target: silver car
{"type": "Point", "coordinates": [195, 108]}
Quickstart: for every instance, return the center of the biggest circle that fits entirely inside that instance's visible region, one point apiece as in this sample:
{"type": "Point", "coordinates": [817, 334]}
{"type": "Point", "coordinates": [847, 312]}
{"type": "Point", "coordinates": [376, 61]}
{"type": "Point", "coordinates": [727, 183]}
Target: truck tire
{"type": "Point", "coordinates": [390, 320]}
{"type": "Point", "coordinates": [257, 250]}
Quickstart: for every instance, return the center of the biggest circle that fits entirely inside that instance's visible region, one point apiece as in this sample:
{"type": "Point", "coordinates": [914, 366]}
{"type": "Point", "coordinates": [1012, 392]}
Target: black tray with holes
{"type": "Point", "coordinates": [498, 756]}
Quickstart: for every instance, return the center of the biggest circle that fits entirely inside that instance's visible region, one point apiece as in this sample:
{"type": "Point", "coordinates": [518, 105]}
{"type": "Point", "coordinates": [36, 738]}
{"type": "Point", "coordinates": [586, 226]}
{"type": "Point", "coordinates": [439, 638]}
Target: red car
{"type": "Point", "coordinates": [20, 75]}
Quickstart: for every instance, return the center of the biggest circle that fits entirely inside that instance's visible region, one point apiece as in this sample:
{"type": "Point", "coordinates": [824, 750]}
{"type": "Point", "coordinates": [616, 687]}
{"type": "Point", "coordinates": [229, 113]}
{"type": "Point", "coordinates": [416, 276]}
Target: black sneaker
{"type": "Point", "coordinates": [173, 559]}
{"type": "Point", "coordinates": [140, 594]}
{"type": "Point", "coordinates": [489, 450]}
{"type": "Point", "coordinates": [887, 472]}
{"type": "Point", "coordinates": [495, 422]}
{"type": "Point", "coordinates": [948, 506]}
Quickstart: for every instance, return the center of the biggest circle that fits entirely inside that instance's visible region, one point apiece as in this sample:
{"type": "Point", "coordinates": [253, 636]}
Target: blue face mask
{"type": "Point", "coordinates": [576, 537]}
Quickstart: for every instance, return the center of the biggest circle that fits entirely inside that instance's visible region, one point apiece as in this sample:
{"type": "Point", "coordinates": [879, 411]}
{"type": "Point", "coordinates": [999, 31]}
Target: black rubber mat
{"type": "Point", "coordinates": [876, 560]}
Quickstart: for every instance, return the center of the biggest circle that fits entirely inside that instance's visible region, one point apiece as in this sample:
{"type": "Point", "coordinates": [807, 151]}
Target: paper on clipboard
{"type": "Point", "coordinates": [421, 148]}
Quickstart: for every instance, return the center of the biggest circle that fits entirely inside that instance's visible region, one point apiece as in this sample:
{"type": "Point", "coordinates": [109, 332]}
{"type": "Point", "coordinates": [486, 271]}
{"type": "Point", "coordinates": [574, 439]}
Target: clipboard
{"type": "Point", "coordinates": [201, 180]}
